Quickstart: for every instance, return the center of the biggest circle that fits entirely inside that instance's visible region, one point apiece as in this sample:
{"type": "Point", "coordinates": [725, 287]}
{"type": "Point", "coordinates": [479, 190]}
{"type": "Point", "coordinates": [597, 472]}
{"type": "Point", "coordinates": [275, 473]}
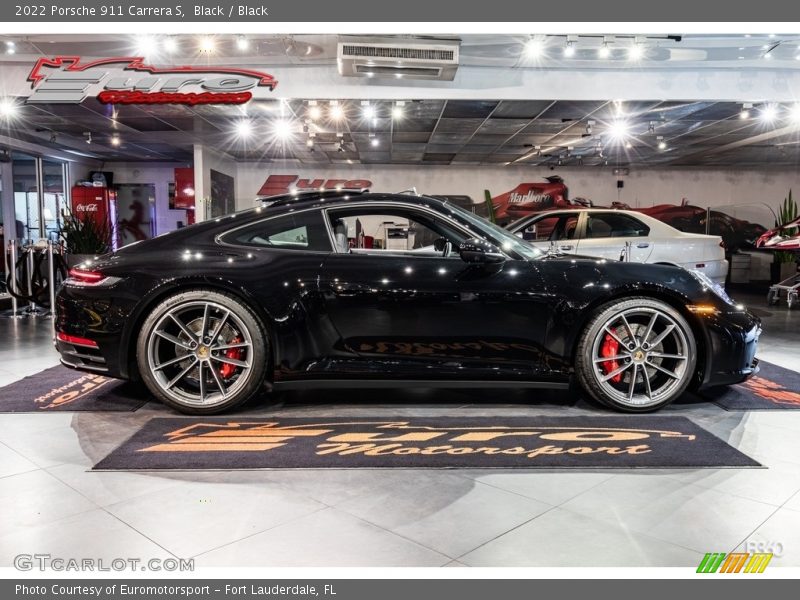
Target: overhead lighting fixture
{"type": "Point", "coordinates": [283, 129]}
{"type": "Point", "coordinates": [242, 43]}
{"type": "Point", "coordinates": [569, 49]}
{"type": "Point", "coordinates": [368, 111]}
{"type": "Point", "coordinates": [208, 45]}
{"type": "Point", "coordinates": [628, 145]}
{"type": "Point", "coordinates": [11, 47]}
{"type": "Point", "coordinates": [398, 110]}
{"type": "Point", "coordinates": [115, 141]}
{"type": "Point", "coordinates": [618, 130]}
{"type": "Point", "coordinates": [768, 55]}
{"type": "Point", "coordinates": [769, 113]}
{"type": "Point", "coordinates": [637, 49]}
{"type": "Point", "coordinates": [170, 45]}
{"type": "Point", "coordinates": [662, 145]}
{"type": "Point", "coordinates": [794, 113]}
{"type": "Point", "coordinates": [534, 48]}
{"type": "Point", "coordinates": [745, 112]}
{"type": "Point", "coordinates": [146, 46]}
{"type": "Point", "coordinates": [8, 108]}
{"type": "Point", "coordinates": [336, 112]}
{"type": "Point", "coordinates": [244, 128]}
{"type": "Point", "coordinates": [375, 142]}
{"type": "Point", "coordinates": [314, 111]}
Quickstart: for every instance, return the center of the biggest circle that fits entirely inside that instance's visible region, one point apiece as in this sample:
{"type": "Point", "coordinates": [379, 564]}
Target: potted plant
{"type": "Point", "coordinates": [84, 237]}
{"type": "Point", "coordinates": [783, 263]}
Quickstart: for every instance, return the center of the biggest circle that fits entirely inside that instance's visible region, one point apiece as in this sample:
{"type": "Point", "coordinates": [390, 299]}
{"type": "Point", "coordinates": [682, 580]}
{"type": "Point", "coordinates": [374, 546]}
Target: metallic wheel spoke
{"type": "Point", "coordinates": [171, 361]}
{"type": "Point", "coordinates": [647, 382]}
{"type": "Point", "coordinates": [613, 334]}
{"type": "Point", "coordinates": [231, 346]}
{"type": "Point", "coordinates": [202, 377]}
{"type": "Point", "coordinates": [204, 325]}
{"type": "Point", "coordinates": [632, 386]}
{"type": "Point", "coordinates": [611, 358]}
{"type": "Point", "coordinates": [218, 328]}
{"type": "Point", "coordinates": [218, 380]}
{"type": "Point", "coordinates": [628, 327]}
{"type": "Point", "coordinates": [616, 372]}
{"type": "Point", "coordinates": [650, 326]}
{"type": "Point", "coordinates": [172, 338]}
{"type": "Point", "coordinates": [662, 336]}
{"type": "Point", "coordinates": [231, 361]}
{"type": "Point", "coordinates": [666, 372]}
{"type": "Point", "coordinates": [673, 356]}
{"type": "Point", "coordinates": [192, 335]}
{"type": "Point", "coordinates": [181, 375]}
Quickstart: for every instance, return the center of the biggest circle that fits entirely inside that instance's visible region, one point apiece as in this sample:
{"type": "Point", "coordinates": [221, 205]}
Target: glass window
{"type": "Point", "coordinates": [614, 225]}
{"type": "Point", "coordinates": [301, 231]}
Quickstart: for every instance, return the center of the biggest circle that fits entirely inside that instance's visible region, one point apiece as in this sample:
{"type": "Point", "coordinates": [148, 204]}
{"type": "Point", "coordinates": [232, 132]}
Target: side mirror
{"type": "Point", "coordinates": [476, 250]}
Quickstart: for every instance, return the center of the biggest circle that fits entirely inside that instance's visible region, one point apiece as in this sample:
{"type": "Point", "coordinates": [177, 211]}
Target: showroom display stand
{"type": "Point", "coordinates": [791, 286]}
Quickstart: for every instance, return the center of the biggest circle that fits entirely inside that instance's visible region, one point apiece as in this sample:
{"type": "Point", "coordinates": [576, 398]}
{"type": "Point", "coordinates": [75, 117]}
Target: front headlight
{"type": "Point", "coordinates": [714, 287]}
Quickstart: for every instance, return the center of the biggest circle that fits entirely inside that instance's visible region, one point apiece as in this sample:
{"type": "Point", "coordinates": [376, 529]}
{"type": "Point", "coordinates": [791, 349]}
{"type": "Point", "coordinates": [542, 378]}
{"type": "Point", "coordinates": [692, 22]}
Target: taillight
{"type": "Point", "coordinates": [85, 277]}
{"type": "Point", "coordinates": [75, 340]}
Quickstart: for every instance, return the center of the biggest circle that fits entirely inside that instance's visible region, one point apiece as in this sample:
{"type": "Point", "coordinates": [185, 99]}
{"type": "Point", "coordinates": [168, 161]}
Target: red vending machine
{"type": "Point", "coordinates": [100, 203]}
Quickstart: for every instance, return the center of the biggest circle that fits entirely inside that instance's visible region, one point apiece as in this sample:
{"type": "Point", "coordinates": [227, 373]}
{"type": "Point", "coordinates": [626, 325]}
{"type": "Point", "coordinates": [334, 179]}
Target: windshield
{"type": "Point", "coordinates": [508, 242]}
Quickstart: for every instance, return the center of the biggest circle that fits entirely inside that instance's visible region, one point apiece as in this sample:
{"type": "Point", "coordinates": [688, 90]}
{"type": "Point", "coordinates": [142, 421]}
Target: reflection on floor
{"type": "Point", "coordinates": [655, 517]}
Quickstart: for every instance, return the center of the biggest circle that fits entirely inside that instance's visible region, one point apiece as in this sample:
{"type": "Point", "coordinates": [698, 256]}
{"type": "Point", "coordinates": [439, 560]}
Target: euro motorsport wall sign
{"type": "Point", "coordinates": [130, 80]}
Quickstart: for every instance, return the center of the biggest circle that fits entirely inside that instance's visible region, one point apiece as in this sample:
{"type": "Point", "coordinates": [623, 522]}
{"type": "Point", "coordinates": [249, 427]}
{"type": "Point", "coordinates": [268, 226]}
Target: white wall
{"type": "Point", "coordinates": [643, 187]}
{"type": "Point", "coordinates": [158, 174]}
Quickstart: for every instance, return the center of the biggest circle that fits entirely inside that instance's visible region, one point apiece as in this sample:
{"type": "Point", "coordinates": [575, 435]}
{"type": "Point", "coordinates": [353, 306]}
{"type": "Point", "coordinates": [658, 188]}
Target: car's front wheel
{"type": "Point", "coordinates": [636, 355]}
{"type": "Point", "coordinates": [202, 352]}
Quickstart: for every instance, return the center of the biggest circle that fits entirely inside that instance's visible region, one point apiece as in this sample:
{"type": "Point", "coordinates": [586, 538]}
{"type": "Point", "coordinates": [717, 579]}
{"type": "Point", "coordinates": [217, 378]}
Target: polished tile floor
{"type": "Point", "coordinates": [52, 503]}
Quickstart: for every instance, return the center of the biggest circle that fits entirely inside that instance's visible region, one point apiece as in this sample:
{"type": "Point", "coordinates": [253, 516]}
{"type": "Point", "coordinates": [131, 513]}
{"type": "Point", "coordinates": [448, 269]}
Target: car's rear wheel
{"type": "Point", "coordinates": [202, 352]}
{"type": "Point", "coordinates": [636, 355]}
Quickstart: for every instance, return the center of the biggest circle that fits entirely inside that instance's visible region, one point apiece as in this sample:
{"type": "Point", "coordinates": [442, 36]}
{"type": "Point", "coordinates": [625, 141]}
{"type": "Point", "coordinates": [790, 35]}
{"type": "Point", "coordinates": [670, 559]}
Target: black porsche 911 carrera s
{"type": "Point", "coordinates": [360, 289]}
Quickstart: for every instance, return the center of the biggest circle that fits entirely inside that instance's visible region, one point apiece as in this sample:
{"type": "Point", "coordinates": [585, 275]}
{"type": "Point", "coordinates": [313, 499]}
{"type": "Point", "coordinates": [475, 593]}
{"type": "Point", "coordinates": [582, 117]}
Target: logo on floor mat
{"type": "Point", "coordinates": [74, 390]}
{"type": "Point", "coordinates": [735, 562]}
{"type": "Point", "coordinates": [399, 438]}
{"type": "Point", "coordinates": [769, 390]}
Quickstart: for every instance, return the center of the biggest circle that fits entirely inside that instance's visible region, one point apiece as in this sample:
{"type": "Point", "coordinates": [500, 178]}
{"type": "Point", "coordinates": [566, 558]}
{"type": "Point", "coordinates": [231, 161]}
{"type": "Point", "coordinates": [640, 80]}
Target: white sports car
{"type": "Point", "coordinates": [624, 235]}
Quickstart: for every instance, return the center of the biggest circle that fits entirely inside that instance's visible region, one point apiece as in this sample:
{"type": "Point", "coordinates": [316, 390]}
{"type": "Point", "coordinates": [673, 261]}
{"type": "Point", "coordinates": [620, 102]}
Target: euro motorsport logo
{"type": "Point", "coordinates": [128, 80]}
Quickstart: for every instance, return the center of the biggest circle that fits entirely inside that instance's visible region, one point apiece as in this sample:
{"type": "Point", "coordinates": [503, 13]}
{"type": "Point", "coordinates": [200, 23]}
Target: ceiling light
{"type": "Point", "coordinates": [146, 46]}
{"type": "Point", "coordinates": [794, 113]}
{"type": "Point", "coordinates": [398, 111]}
{"type": "Point", "coordinates": [662, 145]}
{"type": "Point", "coordinates": [618, 130]}
{"type": "Point", "coordinates": [628, 145]}
{"type": "Point", "coordinates": [115, 141]}
{"type": "Point", "coordinates": [8, 108]}
{"type": "Point", "coordinates": [534, 48]}
{"type": "Point", "coordinates": [769, 113]}
{"type": "Point", "coordinates": [336, 112]}
{"type": "Point", "coordinates": [604, 51]}
{"type": "Point", "coordinates": [283, 129]}
{"type": "Point", "coordinates": [207, 45]}
{"type": "Point", "coordinates": [11, 47]}
{"type": "Point", "coordinates": [314, 112]}
{"type": "Point", "coordinates": [368, 112]}
{"type": "Point", "coordinates": [768, 55]}
{"type": "Point", "coordinates": [569, 49]}
{"type": "Point", "coordinates": [170, 45]}
{"type": "Point", "coordinates": [88, 135]}
{"type": "Point", "coordinates": [242, 43]}
{"type": "Point", "coordinates": [310, 143]}
{"type": "Point", "coordinates": [745, 114]}
{"type": "Point", "coordinates": [375, 142]}
{"type": "Point", "coordinates": [636, 51]}
{"type": "Point", "coordinates": [244, 128]}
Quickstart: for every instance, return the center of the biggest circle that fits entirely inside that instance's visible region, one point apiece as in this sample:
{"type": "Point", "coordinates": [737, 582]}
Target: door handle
{"type": "Point", "coordinates": [643, 245]}
{"type": "Point", "coordinates": [565, 247]}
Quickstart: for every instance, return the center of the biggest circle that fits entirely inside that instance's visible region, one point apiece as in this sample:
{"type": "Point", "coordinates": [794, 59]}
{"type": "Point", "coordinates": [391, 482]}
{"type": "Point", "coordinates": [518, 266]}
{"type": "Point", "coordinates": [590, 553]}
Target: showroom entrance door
{"type": "Point", "coordinates": [409, 304]}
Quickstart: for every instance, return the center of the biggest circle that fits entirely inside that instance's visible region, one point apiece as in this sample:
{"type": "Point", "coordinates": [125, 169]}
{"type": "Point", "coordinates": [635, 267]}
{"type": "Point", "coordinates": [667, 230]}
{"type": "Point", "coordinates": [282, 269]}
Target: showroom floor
{"type": "Point", "coordinates": [652, 517]}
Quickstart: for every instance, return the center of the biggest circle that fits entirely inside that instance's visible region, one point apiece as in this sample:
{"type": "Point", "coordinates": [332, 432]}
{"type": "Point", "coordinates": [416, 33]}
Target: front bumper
{"type": "Point", "coordinates": [732, 342]}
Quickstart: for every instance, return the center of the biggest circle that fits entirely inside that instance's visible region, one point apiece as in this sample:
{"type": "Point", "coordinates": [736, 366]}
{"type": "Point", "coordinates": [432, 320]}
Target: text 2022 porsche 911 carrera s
{"type": "Point", "coordinates": [349, 289]}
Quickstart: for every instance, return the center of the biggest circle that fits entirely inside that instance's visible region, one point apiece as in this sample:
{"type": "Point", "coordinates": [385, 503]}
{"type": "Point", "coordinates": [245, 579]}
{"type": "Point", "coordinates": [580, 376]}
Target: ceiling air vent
{"type": "Point", "coordinates": [410, 59]}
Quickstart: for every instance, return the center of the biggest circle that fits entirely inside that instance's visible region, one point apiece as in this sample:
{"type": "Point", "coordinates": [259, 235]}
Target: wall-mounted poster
{"type": "Point", "coordinates": [222, 194]}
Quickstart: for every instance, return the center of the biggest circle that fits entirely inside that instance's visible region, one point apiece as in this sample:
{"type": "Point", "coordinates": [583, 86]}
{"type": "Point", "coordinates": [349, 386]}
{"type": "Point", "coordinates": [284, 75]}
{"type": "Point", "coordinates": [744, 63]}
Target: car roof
{"type": "Point", "coordinates": [319, 198]}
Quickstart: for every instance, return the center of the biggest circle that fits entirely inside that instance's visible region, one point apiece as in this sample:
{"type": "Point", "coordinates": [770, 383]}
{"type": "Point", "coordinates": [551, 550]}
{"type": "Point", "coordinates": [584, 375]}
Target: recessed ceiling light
{"type": "Point", "coordinates": [314, 112]}
{"type": "Point", "coordinates": [636, 51]}
{"type": "Point", "coordinates": [534, 48]}
{"type": "Point", "coordinates": [769, 113]}
{"type": "Point", "coordinates": [8, 108]}
{"type": "Point", "coordinates": [208, 45]}
{"type": "Point", "coordinates": [244, 128]}
{"type": "Point", "coordinates": [146, 46]}
{"type": "Point", "coordinates": [375, 142]}
{"type": "Point", "coordinates": [745, 114]}
{"type": "Point", "coordinates": [170, 45]}
{"type": "Point", "coordinates": [368, 112]}
{"type": "Point", "coordinates": [618, 129]}
{"type": "Point", "coordinates": [604, 51]}
{"type": "Point", "coordinates": [794, 113]}
{"type": "Point", "coordinates": [283, 129]}
{"type": "Point", "coordinates": [115, 141]}
{"type": "Point", "coordinates": [569, 49]}
{"type": "Point", "coordinates": [242, 43]}
{"type": "Point", "coordinates": [398, 111]}
{"type": "Point", "coordinates": [336, 112]}
{"type": "Point", "coordinates": [662, 145]}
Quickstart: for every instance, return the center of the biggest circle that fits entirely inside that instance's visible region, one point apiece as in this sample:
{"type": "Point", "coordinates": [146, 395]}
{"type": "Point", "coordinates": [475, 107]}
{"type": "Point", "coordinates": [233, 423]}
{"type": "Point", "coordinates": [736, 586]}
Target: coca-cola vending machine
{"type": "Point", "coordinates": [100, 203]}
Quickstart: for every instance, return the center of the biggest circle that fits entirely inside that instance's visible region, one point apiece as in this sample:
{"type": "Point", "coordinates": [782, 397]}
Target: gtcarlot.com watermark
{"type": "Point", "coordinates": [48, 562]}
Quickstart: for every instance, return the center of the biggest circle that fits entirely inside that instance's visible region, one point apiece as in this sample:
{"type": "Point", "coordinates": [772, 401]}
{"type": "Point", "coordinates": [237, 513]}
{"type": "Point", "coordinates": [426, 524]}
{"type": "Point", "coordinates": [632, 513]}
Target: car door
{"type": "Point", "coordinates": [422, 313]}
{"type": "Point", "coordinates": [615, 235]}
{"type": "Point", "coordinates": [552, 228]}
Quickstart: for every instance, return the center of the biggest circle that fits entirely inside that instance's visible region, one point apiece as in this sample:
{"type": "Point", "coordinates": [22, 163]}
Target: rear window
{"type": "Point", "coordinates": [301, 231]}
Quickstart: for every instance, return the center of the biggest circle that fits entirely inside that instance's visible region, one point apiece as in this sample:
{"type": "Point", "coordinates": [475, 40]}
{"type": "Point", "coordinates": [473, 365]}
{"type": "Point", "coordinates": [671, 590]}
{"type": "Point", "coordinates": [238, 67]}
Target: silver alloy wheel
{"type": "Point", "coordinates": [189, 353]}
{"type": "Point", "coordinates": [650, 361]}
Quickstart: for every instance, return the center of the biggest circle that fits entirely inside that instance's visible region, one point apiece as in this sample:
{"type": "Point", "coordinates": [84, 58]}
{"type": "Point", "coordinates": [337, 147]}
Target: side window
{"type": "Point", "coordinates": [615, 225]}
{"type": "Point", "coordinates": [301, 231]}
{"type": "Point", "coordinates": [365, 231]}
{"type": "Point", "coordinates": [555, 228]}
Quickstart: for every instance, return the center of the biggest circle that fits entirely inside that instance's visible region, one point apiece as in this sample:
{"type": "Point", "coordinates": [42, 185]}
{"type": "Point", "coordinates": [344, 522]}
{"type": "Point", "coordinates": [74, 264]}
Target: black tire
{"type": "Point", "coordinates": [247, 385]}
{"type": "Point", "coordinates": [589, 373]}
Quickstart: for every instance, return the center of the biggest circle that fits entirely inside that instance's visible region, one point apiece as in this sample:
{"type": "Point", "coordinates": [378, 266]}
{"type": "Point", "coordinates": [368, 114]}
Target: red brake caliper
{"type": "Point", "coordinates": [235, 353]}
{"type": "Point", "coordinates": [609, 348]}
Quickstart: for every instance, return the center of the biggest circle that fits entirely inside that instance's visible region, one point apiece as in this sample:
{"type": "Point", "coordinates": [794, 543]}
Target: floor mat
{"type": "Point", "coordinates": [773, 388]}
{"type": "Point", "coordinates": [62, 389]}
{"type": "Point", "coordinates": [469, 442]}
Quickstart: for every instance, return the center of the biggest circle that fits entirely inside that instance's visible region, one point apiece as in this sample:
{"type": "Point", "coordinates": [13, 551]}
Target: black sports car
{"type": "Point", "coordinates": [357, 289]}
